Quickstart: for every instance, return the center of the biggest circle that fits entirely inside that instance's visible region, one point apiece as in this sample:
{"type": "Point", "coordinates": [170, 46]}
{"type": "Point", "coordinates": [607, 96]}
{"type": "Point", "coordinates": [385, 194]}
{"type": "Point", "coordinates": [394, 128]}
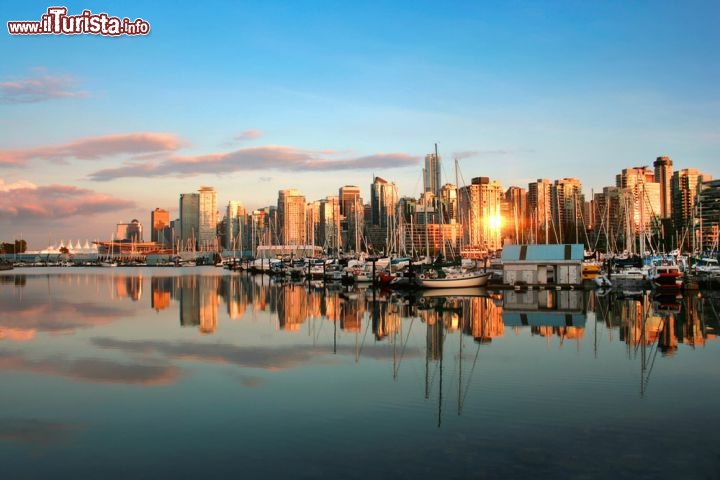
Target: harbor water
{"type": "Point", "coordinates": [199, 372]}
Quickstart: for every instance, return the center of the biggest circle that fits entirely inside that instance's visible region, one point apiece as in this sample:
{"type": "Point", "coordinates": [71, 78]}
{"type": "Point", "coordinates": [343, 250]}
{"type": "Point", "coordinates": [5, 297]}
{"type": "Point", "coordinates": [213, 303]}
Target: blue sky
{"type": "Point", "coordinates": [254, 97]}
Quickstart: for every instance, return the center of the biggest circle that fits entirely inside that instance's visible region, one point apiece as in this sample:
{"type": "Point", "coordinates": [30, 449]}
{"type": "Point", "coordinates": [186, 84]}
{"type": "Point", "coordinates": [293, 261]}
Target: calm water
{"type": "Point", "coordinates": [200, 373]}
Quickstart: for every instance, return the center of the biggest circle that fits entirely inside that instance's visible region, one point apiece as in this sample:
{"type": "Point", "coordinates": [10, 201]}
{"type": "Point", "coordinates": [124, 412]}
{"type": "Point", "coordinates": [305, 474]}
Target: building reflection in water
{"type": "Point", "coordinates": [665, 320]}
{"type": "Point", "coordinates": [128, 287]}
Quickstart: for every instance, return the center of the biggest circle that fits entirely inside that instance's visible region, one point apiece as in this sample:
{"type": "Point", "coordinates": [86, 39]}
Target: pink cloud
{"type": "Point", "coordinates": [268, 157]}
{"type": "Point", "coordinates": [96, 370]}
{"type": "Point", "coordinates": [250, 134]}
{"type": "Point", "coordinates": [56, 202]}
{"type": "Point", "coordinates": [94, 148]}
{"type": "Point", "coordinates": [39, 89]}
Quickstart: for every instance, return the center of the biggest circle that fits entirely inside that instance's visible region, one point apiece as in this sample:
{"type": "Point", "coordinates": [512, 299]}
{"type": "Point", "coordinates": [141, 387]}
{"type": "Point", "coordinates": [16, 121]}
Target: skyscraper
{"type": "Point", "coordinates": [351, 216]}
{"type": "Point", "coordinates": [234, 233]}
{"type": "Point", "coordinates": [383, 199]}
{"type": "Point", "coordinates": [684, 192]}
{"type": "Point", "coordinates": [208, 219]}
{"type": "Point", "coordinates": [645, 195]}
{"type": "Point", "coordinates": [482, 200]}
{"type": "Point", "coordinates": [709, 216]}
{"type": "Point", "coordinates": [160, 221]}
{"type": "Point", "coordinates": [516, 214]}
{"type": "Point", "coordinates": [329, 228]}
{"type": "Point", "coordinates": [431, 174]}
{"type": "Point", "coordinates": [291, 217]}
{"type": "Point", "coordinates": [566, 205]}
{"type": "Point", "coordinates": [448, 197]}
{"type": "Point", "coordinates": [539, 201]}
{"type": "Point", "coordinates": [663, 175]}
{"type": "Point", "coordinates": [189, 220]}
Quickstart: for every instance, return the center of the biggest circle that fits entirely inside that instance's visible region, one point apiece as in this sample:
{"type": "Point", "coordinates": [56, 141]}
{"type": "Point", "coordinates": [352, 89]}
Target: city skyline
{"type": "Point", "coordinates": [96, 131]}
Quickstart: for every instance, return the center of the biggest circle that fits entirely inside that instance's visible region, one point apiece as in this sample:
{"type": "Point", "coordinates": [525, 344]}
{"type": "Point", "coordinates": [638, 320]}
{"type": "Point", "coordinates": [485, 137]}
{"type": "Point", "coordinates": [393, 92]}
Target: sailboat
{"type": "Point", "coordinates": [453, 279]}
{"type": "Point", "coordinates": [110, 260]}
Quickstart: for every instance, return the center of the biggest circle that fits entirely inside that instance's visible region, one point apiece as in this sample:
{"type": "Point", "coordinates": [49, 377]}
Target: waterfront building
{"type": "Point", "coordinates": [515, 214]}
{"type": "Point", "coordinates": [208, 219]}
{"type": "Point", "coordinates": [382, 227]}
{"type": "Point", "coordinates": [329, 224]}
{"type": "Point", "coordinates": [383, 200]}
{"type": "Point", "coordinates": [480, 204]}
{"type": "Point", "coordinates": [684, 195]}
{"type": "Point", "coordinates": [160, 224]}
{"type": "Point", "coordinates": [708, 216]}
{"type": "Point", "coordinates": [351, 217]}
{"type": "Point", "coordinates": [539, 202]}
{"type": "Point", "coordinates": [291, 217]}
{"type": "Point", "coordinates": [663, 172]}
{"type": "Point", "coordinates": [312, 222]}
{"type": "Point", "coordinates": [449, 202]}
{"type": "Point", "coordinates": [566, 201]}
{"type": "Point", "coordinates": [543, 264]}
{"type": "Point", "coordinates": [234, 238]}
{"type": "Point", "coordinates": [263, 228]}
{"type": "Point", "coordinates": [189, 220]}
{"type": "Point", "coordinates": [431, 174]}
{"type": "Point", "coordinates": [129, 232]}
{"type": "Point", "coordinates": [645, 207]}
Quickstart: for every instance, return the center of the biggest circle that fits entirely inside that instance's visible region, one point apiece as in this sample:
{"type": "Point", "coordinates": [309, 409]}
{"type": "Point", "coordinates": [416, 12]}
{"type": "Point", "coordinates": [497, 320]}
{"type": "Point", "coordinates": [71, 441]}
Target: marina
{"type": "Point", "coordinates": [155, 370]}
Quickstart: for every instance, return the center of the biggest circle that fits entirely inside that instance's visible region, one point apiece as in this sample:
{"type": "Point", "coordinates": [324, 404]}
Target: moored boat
{"type": "Point", "coordinates": [454, 279]}
{"type": "Point", "coordinates": [666, 276]}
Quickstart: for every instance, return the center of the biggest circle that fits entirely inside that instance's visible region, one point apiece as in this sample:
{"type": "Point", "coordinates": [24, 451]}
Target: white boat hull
{"type": "Point", "coordinates": [459, 280]}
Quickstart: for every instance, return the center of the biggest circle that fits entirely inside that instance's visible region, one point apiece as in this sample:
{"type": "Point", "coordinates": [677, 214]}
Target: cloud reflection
{"type": "Point", "coordinates": [36, 432]}
{"type": "Point", "coordinates": [268, 358]}
{"type": "Point", "coordinates": [96, 370]}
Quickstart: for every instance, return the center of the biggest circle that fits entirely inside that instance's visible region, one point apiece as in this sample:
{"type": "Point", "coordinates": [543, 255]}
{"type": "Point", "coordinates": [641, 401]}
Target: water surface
{"type": "Point", "coordinates": [133, 373]}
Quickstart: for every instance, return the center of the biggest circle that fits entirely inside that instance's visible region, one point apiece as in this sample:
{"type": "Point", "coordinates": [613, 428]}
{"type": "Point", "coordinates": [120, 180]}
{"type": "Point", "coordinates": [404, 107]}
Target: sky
{"type": "Point", "coordinates": [256, 97]}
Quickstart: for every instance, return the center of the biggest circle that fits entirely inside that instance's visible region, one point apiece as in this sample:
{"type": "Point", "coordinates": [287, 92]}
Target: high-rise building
{"type": "Point", "coordinates": [235, 226]}
{"type": "Point", "coordinates": [129, 232]}
{"type": "Point", "coordinates": [708, 216]}
{"type": "Point", "coordinates": [189, 220]}
{"type": "Point", "coordinates": [646, 193]}
{"type": "Point", "coordinates": [663, 175]}
{"type": "Point", "coordinates": [449, 199]}
{"type": "Point", "coordinates": [383, 200]}
{"type": "Point", "coordinates": [684, 192]}
{"type": "Point", "coordinates": [312, 222]}
{"type": "Point", "coordinates": [291, 217]}
{"type": "Point", "coordinates": [515, 214]}
{"type": "Point", "coordinates": [351, 217]}
{"type": "Point", "coordinates": [160, 221]}
{"type": "Point", "coordinates": [208, 219]}
{"type": "Point", "coordinates": [329, 229]}
{"type": "Point", "coordinates": [482, 200]}
{"type": "Point", "coordinates": [382, 229]}
{"type": "Point", "coordinates": [566, 203]}
{"type": "Point", "coordinates": [431, 174]}
{"type": "Point", "coordinates": [539, 206]}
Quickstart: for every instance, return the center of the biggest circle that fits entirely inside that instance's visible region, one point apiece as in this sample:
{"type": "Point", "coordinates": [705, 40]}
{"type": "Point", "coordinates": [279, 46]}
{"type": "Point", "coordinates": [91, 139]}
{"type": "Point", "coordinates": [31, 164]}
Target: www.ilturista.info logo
{"type": "Point", "coordinates": [57, 22]}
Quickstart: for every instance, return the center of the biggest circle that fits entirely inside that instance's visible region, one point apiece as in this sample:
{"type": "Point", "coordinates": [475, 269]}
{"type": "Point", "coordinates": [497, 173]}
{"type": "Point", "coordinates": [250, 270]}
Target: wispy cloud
{"type": "Point", "coordinates": [39, 88]}
{"type": "Point", "coordinates": [56, 202]}
{"type": "Point", "coordinates": [250, 134]}
{"type": "Point", "coordinates": [488, 153]}
{"type": "Point", "coordinates": [94, 148]}
{"type": "Point", "coordinates": [269, 157]}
